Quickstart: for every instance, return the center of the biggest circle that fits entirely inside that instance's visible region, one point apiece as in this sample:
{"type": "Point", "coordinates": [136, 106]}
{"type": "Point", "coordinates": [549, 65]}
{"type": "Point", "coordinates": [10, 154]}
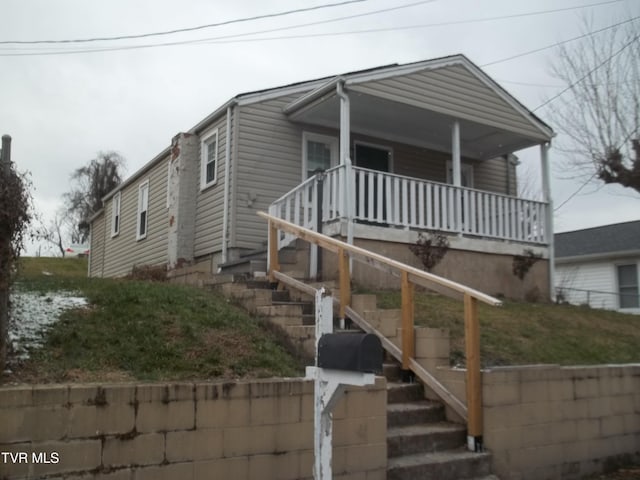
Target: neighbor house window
{"type": "Point", "coordinates": [209, 160]}
{"type": "Point", "coordinates": [115, 214]}
{"type": "Point", "coordinates": [143, 210]}
{"type": "Point", "coordinates": [628, 286]}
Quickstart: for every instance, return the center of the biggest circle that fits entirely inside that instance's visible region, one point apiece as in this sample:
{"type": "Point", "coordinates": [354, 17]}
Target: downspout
{"type": "Point", "coordinates": [345, 159]}
{"type": "Point", "coordinates": [227, 178]}
{"type": "Point", "coordinates": [546, 189]}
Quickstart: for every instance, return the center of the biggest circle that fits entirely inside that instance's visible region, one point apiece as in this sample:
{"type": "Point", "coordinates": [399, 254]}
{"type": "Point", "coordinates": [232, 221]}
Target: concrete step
{"type": "Point", "coordinates": [391, 371]}
{"type": "Point", "coordinates": [363, 302]}
{"type": "Point", "coordinates": [425, 438]}
{"type": "Point", "coordinates": [224, 278]}
{"type": "Point", "coordinates": [246, 266]}
{"type": "Point", "coordinates": [306, 307]}
{"type": "Point", "coordinates": [414, 413]}
{"type": "Point", "coordinates": [280, 296]}
{"type": "Point", "coordinates": [449, 465]}
{"type": "Point", "coordinates": [404, 392]}
{"type": "Point", "coordinates": [283, 310]}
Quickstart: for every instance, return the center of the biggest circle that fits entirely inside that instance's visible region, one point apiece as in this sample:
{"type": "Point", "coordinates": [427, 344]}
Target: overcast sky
{"type": "Point", "coordinates": [62, 109]}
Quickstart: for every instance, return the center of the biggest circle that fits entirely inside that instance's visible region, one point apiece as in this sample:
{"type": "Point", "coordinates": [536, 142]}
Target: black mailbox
{"type": "Point", "coordinates": [356, 352]}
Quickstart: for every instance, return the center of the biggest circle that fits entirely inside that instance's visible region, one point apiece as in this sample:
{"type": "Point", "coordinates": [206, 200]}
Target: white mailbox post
{"type": "Point", "coordinates": [329, 385]}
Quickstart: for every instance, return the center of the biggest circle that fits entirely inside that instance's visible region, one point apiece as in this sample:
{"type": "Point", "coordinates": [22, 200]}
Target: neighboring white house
{"type": "Point", "coordinates": [599, 266]}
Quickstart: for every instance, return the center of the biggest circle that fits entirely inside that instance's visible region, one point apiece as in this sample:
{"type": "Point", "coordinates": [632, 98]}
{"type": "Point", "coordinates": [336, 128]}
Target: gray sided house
{"type": "Point", "coordinates": [374, 157]}
{"type": "Point", "coordinates": [599, 267]}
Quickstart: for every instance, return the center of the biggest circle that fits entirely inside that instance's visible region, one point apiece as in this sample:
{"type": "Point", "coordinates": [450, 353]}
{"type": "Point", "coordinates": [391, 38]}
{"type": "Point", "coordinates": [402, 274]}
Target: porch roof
{"type": "Point", "coordinates": [417, 104]}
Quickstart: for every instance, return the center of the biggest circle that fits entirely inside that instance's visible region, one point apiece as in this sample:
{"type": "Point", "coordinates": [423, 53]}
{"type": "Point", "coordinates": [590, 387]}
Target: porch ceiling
{"type": "Point", "coordinates": [386, 119]}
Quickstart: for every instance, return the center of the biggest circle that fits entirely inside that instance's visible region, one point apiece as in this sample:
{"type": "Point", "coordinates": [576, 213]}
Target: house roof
{"type": "Point", "coordinates": [309, 88]}
{"type": "Point", "coordinates": [599, 241]}
{"type": "Point", "coordinates": [394, 70]}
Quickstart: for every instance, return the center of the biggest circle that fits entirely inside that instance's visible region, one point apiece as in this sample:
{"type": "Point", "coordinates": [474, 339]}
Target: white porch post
{"type": "Point", "coordinates": [345, 159]}
{"type": "Point", "coordinates": [456, 174]}
{"type": "Point", "coordinates": [548, 225]}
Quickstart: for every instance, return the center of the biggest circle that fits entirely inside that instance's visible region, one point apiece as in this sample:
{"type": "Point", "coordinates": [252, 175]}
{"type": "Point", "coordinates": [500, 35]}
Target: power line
{"type": "Point", "coordinates": [216, 39]}
{"type": "Point", "coordinates": [234, 38]}
{"type": "Point", "coordinates": [573, 84]}
{"type": "Point", "coordinates": [575, 193]}
{"type": "Point", "coordinates": [557, 44]}
{"type": "Point", "coordinates": [182, 30]}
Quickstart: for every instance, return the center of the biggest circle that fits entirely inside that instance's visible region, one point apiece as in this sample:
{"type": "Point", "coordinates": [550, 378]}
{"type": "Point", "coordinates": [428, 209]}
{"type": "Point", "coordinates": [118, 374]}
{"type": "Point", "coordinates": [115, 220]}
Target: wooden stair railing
{"type": "Point", "coordinates": [409, 277]}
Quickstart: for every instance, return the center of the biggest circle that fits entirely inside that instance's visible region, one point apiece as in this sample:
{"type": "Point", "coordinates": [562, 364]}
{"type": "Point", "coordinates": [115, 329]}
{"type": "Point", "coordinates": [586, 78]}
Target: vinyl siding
{"type": "Point", "coordinates": [599, 276]}
{"type": "Point", "coordinates": [453, 91]}
{"type": "Point", "coordinates": [123, 251]}
{"type": "Point", "coordinates": [96, 255]}
{"type": "Point", "coordinates": [492, 176]}
{"type": "Point", "coordinates": [269, 156]}
{"type": "Point", "coordinates": [210, 202]}
{"type": "Point", "coordinates": [418, 162]}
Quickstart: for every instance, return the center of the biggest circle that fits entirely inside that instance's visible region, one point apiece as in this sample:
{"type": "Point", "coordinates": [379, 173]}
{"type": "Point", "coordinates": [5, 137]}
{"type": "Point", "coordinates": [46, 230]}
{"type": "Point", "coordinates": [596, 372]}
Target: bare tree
{"type": "Point", "coordinates": [91, 183]}
{"type": "Point", "coordinates": [60, 231]}
{"type": "Point", "coordinates": [600, 111]}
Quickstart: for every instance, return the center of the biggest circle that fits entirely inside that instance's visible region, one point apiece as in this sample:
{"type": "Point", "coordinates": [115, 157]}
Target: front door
{"type": "Point", "coordinates": [373, 158]}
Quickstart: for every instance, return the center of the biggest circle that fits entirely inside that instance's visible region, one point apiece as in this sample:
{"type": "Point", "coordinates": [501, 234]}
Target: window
{"type": "Point", "coordinates": [209, 160]}
{"type": "Point", "coordinates": [115, 214]}
{"type": "Point", "coordinates": [628, 286]}
{"type": "Point", "coordinates": [466, 174]}
{"type": "Point", "coordinates": [319, 152]}
{"type": "Point", "coordinates": [143, 210]}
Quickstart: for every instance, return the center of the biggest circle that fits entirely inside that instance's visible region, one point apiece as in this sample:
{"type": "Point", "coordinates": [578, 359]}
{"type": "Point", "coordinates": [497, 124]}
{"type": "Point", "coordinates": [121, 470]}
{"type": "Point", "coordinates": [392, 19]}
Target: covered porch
{"type": "Point", "coordinates": [447, 108]}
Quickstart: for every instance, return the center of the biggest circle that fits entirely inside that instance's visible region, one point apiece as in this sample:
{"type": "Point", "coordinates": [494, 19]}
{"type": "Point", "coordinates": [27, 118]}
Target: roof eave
{"type": "Point", "coordinates": [598, 256]}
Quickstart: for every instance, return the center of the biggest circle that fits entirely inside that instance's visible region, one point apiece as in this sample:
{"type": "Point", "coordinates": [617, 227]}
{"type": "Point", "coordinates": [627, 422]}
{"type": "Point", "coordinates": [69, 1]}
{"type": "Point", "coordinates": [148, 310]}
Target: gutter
{"type": "Point", "coordinates": [598, 256]}
{"type": "Point", "coordinates": [313, 95]}
{"type": "Point", "coordinates": [227, 176]}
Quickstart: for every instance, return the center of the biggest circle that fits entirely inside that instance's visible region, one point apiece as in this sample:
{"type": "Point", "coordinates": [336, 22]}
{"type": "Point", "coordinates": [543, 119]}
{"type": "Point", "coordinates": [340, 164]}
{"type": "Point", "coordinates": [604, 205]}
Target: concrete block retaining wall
{"type": "Point", "coordinates": [551, 422]}
{"type": "Point", "coordinates": [245, 429]}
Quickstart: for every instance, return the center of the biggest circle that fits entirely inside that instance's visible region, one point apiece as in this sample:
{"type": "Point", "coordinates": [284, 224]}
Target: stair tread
{"type": "Point", "coordinates": [413, 406]}
{"type": "Point", "coordinates": [392, 385]}
{"type": "Point", "coordinates": [287, 302]}
{"type": "Point", "coordinates": [425, 428]}
{"type": "Point", "coordinates": [434, 457]}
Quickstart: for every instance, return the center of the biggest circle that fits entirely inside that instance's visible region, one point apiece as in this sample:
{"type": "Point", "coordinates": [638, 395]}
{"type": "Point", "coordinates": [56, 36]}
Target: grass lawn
{"type": "Point", "coordinates": [525, 333]}
{"type": "Point", "coordinates": [146, 331]}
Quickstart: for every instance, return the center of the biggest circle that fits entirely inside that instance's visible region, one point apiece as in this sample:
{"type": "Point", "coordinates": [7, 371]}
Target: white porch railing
{"type": "Point", "coordinates": [298, 206]}
{"type": "Point", "coordinates": [399, 201]}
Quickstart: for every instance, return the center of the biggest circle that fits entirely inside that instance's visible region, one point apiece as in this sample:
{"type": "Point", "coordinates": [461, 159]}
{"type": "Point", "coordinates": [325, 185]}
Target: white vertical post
{"type": "Point", "coordinates": [345, 159]}
{"type": "Point", "coordinates": [329, 385]}
{"type": "Point", "coordinates": [316, 224]}
{"type": "Point", "coordinates": [456, 174]}
{"type": "Point", "coordinates": [548, 225]}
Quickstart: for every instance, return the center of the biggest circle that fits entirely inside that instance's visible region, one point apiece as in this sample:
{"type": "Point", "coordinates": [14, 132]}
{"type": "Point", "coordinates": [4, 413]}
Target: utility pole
{"type": "Point", "coordinates": [5, 260]}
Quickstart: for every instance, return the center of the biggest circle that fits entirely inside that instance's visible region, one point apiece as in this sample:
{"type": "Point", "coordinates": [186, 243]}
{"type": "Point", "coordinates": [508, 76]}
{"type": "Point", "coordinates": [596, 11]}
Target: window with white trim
{"type": "Point", "coordinates": [209, 160]}
{"type": "Point", "coordinates": [115, 214]}
{"type": "Point", "coordinates": [628, 286]}
{"type": "Point", "coordinates": [319, 152]}
{"type": "Point", "coordinates": [143, 210]}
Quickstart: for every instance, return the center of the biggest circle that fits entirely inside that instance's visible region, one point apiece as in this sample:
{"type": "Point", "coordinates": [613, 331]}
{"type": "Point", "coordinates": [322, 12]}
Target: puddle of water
{"type": "Point", "coordinates": [31, 313]}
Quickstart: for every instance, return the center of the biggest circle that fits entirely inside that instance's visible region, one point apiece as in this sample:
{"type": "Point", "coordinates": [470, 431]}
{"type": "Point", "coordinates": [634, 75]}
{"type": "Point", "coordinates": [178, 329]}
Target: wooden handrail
{"type": "Point", "coordinates": [409, 277]}
{"type": "Point", "coordinates": [380, 262]}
